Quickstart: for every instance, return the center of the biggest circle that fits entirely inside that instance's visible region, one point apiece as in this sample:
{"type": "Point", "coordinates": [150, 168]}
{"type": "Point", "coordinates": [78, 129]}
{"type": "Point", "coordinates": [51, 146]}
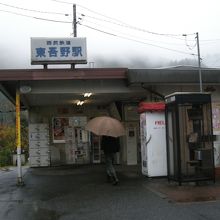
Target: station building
{"type": "Point", "coordinates": [59, 107]}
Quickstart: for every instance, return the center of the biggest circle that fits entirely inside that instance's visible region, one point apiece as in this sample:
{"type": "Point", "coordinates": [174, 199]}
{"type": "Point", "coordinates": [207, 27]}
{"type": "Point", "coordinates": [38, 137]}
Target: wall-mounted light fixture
{"type": "Point", "coordinates": [25, 89]}
{"type": "Point", "coordinates": [87, 94]}
{"type": "Point", "coordinates": [80, 103]}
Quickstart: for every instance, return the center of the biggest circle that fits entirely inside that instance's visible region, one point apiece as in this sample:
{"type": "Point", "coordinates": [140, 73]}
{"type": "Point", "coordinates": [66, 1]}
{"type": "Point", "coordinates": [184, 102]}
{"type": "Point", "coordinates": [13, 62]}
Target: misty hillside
{"type": "Point", "coordinates": [139, 63]}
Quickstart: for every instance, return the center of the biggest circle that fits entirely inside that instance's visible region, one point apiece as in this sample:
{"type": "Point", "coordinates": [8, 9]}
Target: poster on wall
{"type": "Point", "coordinates": [216, 118]}
{"type": "Point", "coordinates": [59, 124]}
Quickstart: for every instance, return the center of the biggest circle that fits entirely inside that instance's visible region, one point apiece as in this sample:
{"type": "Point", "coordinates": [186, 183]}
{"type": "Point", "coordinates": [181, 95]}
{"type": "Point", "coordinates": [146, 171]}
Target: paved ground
{"type": "Point", "coordinates": [188, 192]}
{"type": "Point", "coordinates": [81, 193]}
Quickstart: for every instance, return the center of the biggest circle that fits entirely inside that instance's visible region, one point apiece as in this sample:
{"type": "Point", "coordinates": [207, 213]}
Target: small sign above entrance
{"type": "Point", "coordinates": [58, 50]}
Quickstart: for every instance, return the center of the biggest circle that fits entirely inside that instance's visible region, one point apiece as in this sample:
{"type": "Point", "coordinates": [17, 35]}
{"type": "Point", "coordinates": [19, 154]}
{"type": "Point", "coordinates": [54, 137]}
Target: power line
{"type": "Point", "coordinates": [51, 13]}
{"type": "Point", "coordinates": [99, 19]}
{"type": "Point", "coordinates": [104, 20]}
{"type": "Point", "coordinates": [153, 45]}
{"type": "Point", "coordinates": [133, 36]}
{"type": "Point", "coordinates": [96, 18]}
{"type": "Point", "coordinates": [45, 19]}
{"type": "Point", "coordinates": [96, 29]}
{"type": "Point", "coordinates": [132, 27]}
{"type": "Point", "coordinates": [32, 10]}
{"type": "Point", "coordinates": [189, 47]}
{"type": "Point", "coordinates": [62, 2]}
{"type": "Point", "coordinates": [123, 23]}
{"type": "Point", "coordinates": [211, 40]}
{"type": "Point", "coordinates": [38, 18]}
{"type": "Point", "coordinates": [143, 30]}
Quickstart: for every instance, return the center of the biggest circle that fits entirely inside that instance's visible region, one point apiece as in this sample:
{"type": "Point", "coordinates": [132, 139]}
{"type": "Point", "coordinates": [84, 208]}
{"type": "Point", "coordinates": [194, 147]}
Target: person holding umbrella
{"type": "Point", "coordinates": [110, 129]}
{"type": "Point", "coordinates": [110, 145]}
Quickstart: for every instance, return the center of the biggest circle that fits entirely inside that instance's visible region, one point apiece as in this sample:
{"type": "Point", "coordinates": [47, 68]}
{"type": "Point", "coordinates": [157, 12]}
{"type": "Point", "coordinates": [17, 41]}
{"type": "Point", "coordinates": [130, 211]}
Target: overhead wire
{"type": "Point", "coordinates": [138, 41]}
{"type": "Point", "coordinates": [96, 29]}
{"type": "Point", "coordinates": [218, 39]}
{"type": "Point", "coordinates": [112, 21]}
{"type": "Point", "coordinates": [133, 27]}
{"type": "Point", "coordinates": [143, 30]}
{"type": "Point", "coordinates": [33, 10]}
{"type": "Point", "coordinates": [90, 10]}
{"type": "Point", "coordinates": [47, 12]}
{"type": "Point", "coordinates": [83, 19]}
{"type": "Point", "coordinates": [189, 46]}
{"type": "Point", "coordinates": [62, 2]}
{"type": "Point", "coordinates": [34, 17]}
{"type": "Point", "coordinates": [121, 23]}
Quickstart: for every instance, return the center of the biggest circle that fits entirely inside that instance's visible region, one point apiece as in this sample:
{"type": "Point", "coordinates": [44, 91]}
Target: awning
{"type": "Point", "coordinates": [150, 106]}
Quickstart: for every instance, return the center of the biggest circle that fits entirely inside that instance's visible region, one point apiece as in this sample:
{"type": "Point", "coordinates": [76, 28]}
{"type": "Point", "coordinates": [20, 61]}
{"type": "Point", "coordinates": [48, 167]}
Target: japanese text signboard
{"type": "Point", "coordinates": [58, 50]}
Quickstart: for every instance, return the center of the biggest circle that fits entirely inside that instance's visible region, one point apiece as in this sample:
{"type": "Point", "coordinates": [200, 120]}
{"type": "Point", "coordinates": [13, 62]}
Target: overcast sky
{"type": "Point", "coordinates": [117, 31]}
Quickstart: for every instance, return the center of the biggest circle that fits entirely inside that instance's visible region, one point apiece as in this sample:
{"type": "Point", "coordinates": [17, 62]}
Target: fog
{"type": "Point", "coordinates": [140, 62]}
{"type": "Point", "coordinates": [141, 43]}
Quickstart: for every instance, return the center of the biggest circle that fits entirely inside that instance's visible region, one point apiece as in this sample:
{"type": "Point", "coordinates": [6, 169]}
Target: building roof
{"type": "Point", "coordinates": [58, 86]}
{"type": "Point", "coordinates": [177, 75]}
{"type": "Point", "coordinates": [57, 74]}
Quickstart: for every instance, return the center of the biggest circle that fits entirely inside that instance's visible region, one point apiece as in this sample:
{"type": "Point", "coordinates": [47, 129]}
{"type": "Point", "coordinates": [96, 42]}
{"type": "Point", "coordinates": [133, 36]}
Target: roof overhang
{"type": "Point", "coordinates": [60, 86]}
{"type": "Point", "coordinates": [62, 74]}
{"type": "Point", "coordinates": [65, 86]}
{"type": "Point", "coordinates": [173, 76]}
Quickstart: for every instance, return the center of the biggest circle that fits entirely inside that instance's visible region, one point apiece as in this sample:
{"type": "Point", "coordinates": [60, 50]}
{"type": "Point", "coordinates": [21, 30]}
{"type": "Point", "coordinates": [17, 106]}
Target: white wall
{"type": "Point", "coordinates": [44, 114]}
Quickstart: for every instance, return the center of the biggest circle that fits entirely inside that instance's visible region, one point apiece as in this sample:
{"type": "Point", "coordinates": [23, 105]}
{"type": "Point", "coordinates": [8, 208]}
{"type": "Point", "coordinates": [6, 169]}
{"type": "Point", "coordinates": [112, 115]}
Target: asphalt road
{"type": "Point", "coordinates": [82, 193]}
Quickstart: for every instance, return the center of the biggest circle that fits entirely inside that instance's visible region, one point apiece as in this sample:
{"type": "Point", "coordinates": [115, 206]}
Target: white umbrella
{"type": "Point", "coordinates": [105, 125]}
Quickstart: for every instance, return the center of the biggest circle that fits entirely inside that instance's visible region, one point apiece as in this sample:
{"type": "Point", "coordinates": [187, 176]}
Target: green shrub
{"type": "Point", "coordinates": [5, 157]}
{"type": "Point", "coordinates": [8, 142]}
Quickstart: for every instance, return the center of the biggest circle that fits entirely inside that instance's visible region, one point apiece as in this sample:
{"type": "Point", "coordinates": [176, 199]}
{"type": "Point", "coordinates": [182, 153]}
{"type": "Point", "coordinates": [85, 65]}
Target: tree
{"type": "Point", "coordinates": [8, 142]}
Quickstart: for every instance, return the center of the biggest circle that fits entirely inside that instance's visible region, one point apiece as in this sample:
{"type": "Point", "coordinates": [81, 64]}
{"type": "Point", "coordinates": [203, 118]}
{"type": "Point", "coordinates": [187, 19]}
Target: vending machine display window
{"type": "Point", "coordinates": [189, 137]}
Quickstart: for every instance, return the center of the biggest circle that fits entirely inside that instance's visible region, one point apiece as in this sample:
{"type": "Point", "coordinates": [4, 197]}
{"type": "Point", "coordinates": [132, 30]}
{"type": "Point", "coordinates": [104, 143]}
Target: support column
{"type": "Point", "coordinates": [18, 139]}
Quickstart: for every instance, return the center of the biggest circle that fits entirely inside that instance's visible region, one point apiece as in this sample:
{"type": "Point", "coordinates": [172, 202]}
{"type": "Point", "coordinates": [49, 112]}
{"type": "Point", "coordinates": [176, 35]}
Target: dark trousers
{"type": "Point", "coordinates": [109, 166]}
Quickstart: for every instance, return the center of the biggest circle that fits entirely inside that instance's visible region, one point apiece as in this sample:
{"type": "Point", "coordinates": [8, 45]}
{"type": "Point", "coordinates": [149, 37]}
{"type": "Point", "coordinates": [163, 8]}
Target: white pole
{"type": "Point", "coordinates": [18, 139]}
{"type": "Point", "coordinates": [199, 62]}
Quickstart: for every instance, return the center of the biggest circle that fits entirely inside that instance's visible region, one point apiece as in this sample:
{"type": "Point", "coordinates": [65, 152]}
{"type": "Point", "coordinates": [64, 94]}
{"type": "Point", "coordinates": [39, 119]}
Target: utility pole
{"type": "Point", "coordinates": [74, 29]}
{"type": "Point", "coordinates": [199, 62]}
{"type": "Point", "coordinates": [74, 21]}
